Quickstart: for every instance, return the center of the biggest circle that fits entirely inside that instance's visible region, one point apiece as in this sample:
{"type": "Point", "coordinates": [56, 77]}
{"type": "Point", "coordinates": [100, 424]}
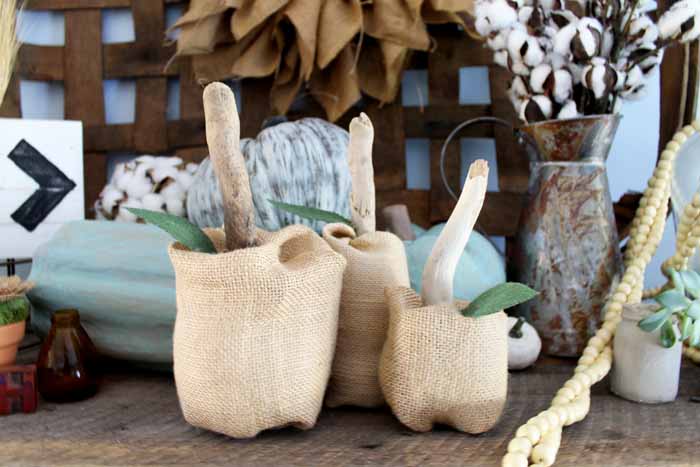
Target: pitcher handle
{"type": "Point", "coordinates": [520, 136]}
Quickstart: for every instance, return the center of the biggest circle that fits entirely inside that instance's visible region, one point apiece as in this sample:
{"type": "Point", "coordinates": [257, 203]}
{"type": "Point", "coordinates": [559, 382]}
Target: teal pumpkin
{"type": "Point", "coordinates": [481, 266]}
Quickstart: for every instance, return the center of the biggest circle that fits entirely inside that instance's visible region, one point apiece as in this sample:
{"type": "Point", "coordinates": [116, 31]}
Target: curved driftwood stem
{"type": "Point", "coordinates": [438, 275]}
{"type": "Point", "coordinates": [362, 199]}
{"type": "Point", "coordinates": [398, 221]}
{"type": "Point", "coordinates": [223, 138]}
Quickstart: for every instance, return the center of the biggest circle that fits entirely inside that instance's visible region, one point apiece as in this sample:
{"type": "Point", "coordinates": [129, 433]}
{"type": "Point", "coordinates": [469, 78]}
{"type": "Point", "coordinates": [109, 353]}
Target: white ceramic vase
{"type": "Point", "coordinates": [643, 370]}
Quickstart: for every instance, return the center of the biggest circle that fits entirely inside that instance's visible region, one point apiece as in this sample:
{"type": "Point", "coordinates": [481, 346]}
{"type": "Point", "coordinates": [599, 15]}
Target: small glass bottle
{"type": "Point", "coordinates": [66, 367]}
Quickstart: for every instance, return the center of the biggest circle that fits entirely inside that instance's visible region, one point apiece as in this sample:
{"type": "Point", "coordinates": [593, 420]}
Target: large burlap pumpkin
{"type": "Point", "coordinates": [438, 366]}
{"type": "Point", "coordinates": [376, 260]}
{"type": "Point", "coordinates": [255, 331]}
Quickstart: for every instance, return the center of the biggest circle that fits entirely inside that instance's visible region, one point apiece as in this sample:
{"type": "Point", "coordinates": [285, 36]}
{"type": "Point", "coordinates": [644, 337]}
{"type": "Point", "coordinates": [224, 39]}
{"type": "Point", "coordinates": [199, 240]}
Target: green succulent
{"type": "Point", "coordinates": [13, 311]}
{"type": "Point", "coordinates": [679, 312]}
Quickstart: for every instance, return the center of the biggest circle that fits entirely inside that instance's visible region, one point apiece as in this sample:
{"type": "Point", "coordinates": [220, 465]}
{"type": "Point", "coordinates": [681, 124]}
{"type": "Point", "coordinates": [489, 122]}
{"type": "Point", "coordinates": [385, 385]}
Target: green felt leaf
{"type": "Point", "coordinates": [179, 228]}
{"type": "Point", "coordinates": [668, 334]}
{"type": "Point", "coordinates": [499, 298]}
{"type": "Point", "coordinates": [673, 299]}
{"type": "Point", "coordinates": [14, 311]}
{"type": "Point", "coordinates": [695, 334]}
{"type": "Point", "coordinates": [311, 213]}
{"type": "Point", "coordinates": [653, 322]}
{"type": "Point", "coordinates": [691, 281]}
{"type": "Point", "coordinates": [686, 327]}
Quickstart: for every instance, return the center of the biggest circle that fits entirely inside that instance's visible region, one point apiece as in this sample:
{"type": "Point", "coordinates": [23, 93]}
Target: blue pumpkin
{"type": "Point", "coordinates": [481, 266]}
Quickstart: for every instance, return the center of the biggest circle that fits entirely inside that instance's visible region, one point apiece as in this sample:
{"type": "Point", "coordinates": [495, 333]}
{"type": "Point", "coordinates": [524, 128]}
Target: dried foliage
{"type": "Point", "coordinates": [9, 45]}
{"type": "Point", "coordinates": [580, 57]}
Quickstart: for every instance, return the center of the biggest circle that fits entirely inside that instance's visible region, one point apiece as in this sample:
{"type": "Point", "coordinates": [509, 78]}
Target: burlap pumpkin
{"type": "Point", "coordinates": [255, 331]}
{"type": "Point", "coordinates": [376, 260]}
{"type": "Point", "coordinates": [438, 366]}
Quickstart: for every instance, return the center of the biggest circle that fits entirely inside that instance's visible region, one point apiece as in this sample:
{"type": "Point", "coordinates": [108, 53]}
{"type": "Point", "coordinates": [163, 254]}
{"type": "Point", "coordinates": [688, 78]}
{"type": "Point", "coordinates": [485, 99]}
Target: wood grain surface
{"type": "Point", "coordinates": [135, 420]}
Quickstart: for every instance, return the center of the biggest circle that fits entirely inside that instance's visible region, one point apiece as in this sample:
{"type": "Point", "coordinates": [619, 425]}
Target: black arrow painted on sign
{"type": "Point", "coordinates": [53, 185]}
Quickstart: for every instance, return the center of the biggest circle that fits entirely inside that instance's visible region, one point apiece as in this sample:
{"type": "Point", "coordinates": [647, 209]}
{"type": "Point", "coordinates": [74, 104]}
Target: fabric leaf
{"type": "Point", "coordinates": [499, 298]}
{"type": "Point", "coordinates": [179, 228]}
{"type": "Point", "coordinates": [311, 213]}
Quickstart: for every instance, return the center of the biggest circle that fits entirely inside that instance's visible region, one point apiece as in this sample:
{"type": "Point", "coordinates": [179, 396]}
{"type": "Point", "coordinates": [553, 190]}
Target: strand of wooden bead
{"type": "Point", "coordinates": [692, 353]}
{"type": "Point", "coordinates": [539, 439]}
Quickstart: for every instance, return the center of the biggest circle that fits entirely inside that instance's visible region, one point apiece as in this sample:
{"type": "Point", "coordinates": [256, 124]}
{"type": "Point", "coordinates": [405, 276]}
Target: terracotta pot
{"type": "Point", "coordinates": [643, 370]}
{"type": "Point", "coordinates": [10, 337]}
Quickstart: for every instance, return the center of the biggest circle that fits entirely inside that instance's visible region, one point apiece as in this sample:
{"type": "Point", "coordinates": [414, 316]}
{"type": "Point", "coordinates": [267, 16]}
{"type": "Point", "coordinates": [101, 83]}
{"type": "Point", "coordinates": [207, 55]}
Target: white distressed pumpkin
{"type": "Point", "coordinates": [302, 162]}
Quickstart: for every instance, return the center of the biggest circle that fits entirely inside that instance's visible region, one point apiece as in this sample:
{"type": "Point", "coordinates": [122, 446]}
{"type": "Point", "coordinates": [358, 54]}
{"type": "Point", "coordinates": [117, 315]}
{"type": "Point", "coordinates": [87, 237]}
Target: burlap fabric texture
{"type": "Point", "coordinates": [439, 366]}
{"type": "Point", "coordinates": [255, 331]}
{"type": "Point", "coordinates": [375, 261]}
{"type": "Point", "coordinates": [328, 49]}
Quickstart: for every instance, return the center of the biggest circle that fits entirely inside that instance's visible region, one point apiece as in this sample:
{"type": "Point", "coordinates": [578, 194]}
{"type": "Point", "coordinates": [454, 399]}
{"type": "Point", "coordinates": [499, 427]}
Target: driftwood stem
{"type": "Point", "coordinates": [398, 221]}
{"type": "Point", "coordinates": [438, 275]}
{"type": "Point", "coordinates": [223, 138]}
{"type": "Point", "coordinates": [362, 199]}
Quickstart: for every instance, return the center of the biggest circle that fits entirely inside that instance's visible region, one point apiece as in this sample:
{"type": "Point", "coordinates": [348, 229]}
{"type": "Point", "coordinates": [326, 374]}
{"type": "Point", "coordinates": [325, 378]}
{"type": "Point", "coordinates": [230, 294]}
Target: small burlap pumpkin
{"type": "Point", "coordinates": [376, 260]}
{"type": "Point", "coordinates": [255, 331]}
{"type": "Point", "coordinates": [439, 366]}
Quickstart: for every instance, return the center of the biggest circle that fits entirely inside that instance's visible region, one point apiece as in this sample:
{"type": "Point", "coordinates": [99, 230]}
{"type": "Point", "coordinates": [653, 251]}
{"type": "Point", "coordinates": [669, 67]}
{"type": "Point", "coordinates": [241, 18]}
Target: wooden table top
{"type": "Point", "coordinates": [135, 420]}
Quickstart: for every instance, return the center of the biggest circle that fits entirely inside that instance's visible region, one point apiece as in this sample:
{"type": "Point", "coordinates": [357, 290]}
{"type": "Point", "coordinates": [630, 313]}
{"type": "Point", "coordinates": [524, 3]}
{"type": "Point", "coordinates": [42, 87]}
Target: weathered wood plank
{"type": "Point", "coordinates": [135, 420]}
{"type": "Point", "coordinates": [150, 134]}
{"type": "Point", "coordinates": [84, 95]}
{"type": "Point", "coordinates": [83, 4]}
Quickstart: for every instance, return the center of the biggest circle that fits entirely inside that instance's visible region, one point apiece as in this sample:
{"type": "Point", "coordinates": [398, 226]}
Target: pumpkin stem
{"type": "Point", "coordinates": [516, 332]}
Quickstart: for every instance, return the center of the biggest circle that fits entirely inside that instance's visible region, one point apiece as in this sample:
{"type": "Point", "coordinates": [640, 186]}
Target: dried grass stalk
{"type": "Point", "coordinates": [9, 45]}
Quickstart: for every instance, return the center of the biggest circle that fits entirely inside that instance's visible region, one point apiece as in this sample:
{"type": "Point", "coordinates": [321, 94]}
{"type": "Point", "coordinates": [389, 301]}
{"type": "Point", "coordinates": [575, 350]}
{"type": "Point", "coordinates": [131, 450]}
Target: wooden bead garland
{"type": "Point", "coordinates": [537, 442]}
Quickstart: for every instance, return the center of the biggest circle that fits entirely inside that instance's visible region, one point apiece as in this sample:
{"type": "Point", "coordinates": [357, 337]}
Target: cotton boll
{"type": "Point", "coordinates": [499, 41]}
{"type": "Point", "coordinates": [562, 41]}
{"type": "Point", "coordinates": [642, 30]}
{"type": "Point", "coordinates": [538, 77]}
{"type": "Point", "coordinates": [518, 92]}
{"type": "Point", "coordinates": [519, 68]}
{"type": "Point", "coordinates": [599, 77]}
{"type": "Point", "coordinates": [534, 54]}
{"type": "Point", "coordinates": [550, 5]}
{"type": "Point", "coordinates": [537, 108]}
{"type": "Point", "coordinates": [587, 40]}
{"type": "Point", "coordinates": [173, 190]}
{"type": "Point", "coordinates": [126, 216]}
{"type": "Point", "coordinates": [563, 86]}
{"type": "Point", "coordinates": [175, 206]}
{"type": "Point", "coordinates": [493, 15]}
{"type": "Point", "coordinates": [568, 110]}
{"type": "Point", "coordinates": [607, 43]}
{"type": "Point", "coordinates": [576, 71]}
{"type": "Point", "coordinates": [525, 13]}
{"type": "Point", "coordinates": [517, 40]}
{"type": "Point", "coordinates": [681, 21]}
{"type": "Point", "coordinates": [500, 58]}
{"type": "Point", "coordinates": [557, 61]}
{"type": "Point", "coordinates": [154, 202]}
{"type": "Point", "coordinates": [482, 25]}
{"type": "Point", "coordinates": [184, 179]}
{"type": "Point", "coordinates": [134, 183]}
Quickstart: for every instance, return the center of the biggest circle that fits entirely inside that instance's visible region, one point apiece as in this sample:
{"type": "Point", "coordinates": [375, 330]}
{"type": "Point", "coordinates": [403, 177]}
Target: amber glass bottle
{"type": "Point", "coordinates": [67, 364]}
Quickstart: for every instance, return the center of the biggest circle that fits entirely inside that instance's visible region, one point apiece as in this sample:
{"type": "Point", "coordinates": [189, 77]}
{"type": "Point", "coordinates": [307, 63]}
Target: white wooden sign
{"type": "Point", "coordinates": [41, 182]}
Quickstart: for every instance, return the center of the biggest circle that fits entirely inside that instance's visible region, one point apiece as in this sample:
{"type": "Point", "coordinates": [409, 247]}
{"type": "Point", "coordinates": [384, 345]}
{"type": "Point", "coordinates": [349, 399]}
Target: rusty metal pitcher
{"type": "Point", "coordinates": [567, 246]}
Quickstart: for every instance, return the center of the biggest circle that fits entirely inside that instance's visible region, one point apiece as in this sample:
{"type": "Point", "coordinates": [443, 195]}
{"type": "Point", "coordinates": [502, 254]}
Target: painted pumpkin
{"type": "Point", "coordinates": [302, 162]}
{"type": "Point", "coordinates": [480, 267]}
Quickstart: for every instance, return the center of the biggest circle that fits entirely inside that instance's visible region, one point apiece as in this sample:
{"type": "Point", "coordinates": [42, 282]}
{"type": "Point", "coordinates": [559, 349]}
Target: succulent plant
{"type": "Point", "coordinates": [14, 306]}
{"type": "Point", "coordinates": [679, 314]}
